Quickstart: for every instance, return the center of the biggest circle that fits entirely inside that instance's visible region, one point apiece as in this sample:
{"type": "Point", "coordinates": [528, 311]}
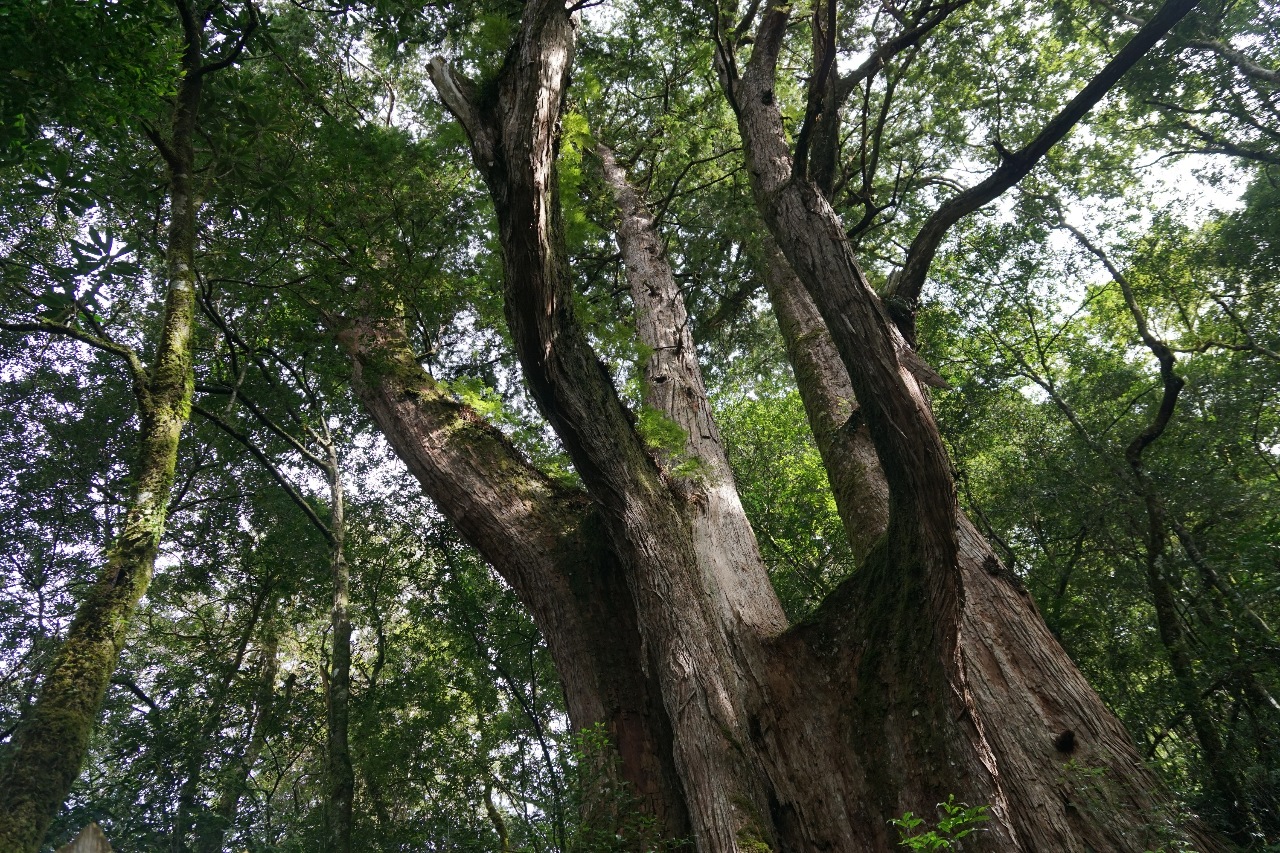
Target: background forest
{"type": "Point", "coordinates": [322, 662]}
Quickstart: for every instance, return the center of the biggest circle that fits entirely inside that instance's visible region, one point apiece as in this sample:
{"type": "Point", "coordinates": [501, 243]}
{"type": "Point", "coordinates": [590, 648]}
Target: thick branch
{"type": "Point", "coordinates": [848, 455]}
{"type": "Point", "coordinates": [137, 370]}
{"type": "Point", "coordinates": [545, 539]}
{"type": "Point", "coordinates": [673, 378]}
{"type": "Point", "coordinates": [1015, 166]}
{"type": "Point", "coordinates": [922, 494]}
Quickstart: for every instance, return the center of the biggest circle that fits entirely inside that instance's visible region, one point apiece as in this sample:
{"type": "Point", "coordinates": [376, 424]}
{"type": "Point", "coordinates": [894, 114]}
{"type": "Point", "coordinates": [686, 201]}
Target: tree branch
{"type": "Point", "coordinates": [270, 467]}
{"type": "Point", "coordinates": [137, 370]}
{"type": "Point", "coordinates": [238, 48]}
{"type": "Point", "coordinates": [906, 286]}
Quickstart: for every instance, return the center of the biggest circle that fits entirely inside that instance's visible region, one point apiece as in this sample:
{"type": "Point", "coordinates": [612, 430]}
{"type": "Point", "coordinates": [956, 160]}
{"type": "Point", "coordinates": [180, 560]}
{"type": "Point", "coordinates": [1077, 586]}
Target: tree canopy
{"type": "Point", "coordinates": [640, 425]}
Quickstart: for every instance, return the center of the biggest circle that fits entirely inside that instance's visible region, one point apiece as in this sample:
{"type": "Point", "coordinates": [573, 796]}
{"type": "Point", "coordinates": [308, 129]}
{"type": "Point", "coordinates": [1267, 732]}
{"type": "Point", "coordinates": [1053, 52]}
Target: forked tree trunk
{"type": "Point", "coordinates": [956, 683]}
{"type": "Point", "coordinates": [928, 673]}
{"type": "Point", "coordinates": [53, 736]}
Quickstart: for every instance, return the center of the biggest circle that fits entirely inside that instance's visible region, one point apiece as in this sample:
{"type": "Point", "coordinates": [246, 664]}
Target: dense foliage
{"type": "Point", "coordinates": [330, 180]}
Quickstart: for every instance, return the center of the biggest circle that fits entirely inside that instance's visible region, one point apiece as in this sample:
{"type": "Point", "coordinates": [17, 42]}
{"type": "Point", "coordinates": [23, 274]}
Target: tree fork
{"type": "Point", "coordinates": [991, 699]}
{"type": "Point", "coordinates": [702, 626]}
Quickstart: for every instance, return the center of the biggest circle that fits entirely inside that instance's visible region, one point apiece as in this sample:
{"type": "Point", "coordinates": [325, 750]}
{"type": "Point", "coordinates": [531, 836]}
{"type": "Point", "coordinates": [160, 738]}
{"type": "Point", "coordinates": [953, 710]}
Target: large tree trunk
{"type": "Point", "coordinates": [545, 540]}
{"type": "Point", "coordinates": [53, 736]}
{"type": "Point", "coordinates": [928, 673]}
{"type": "Point", "coordinates": [704, 607]}
{"type": "Point", "coordinates": [952, 677]}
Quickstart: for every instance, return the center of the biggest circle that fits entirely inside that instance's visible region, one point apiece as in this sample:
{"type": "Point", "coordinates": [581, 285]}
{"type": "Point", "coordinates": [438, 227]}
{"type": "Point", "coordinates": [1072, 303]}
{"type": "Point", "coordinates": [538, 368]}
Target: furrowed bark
{"type": "Point", "coordinates": [562, 567]}
{"type": "Point", "coordinates": [808, 231]}
{"type": "Point", "coordinates": [53, 736]}
{"type": "Point", "coordinates": [722, 535]}
{"type": "Point", "coordinates": [805, 808]}
{"type": "Point", "coordinates": [992, 708]}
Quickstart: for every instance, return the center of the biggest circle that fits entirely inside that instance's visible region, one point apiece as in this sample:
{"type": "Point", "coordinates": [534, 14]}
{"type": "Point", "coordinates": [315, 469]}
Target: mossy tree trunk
{"type": "Point", "coordinates": [53, 736]}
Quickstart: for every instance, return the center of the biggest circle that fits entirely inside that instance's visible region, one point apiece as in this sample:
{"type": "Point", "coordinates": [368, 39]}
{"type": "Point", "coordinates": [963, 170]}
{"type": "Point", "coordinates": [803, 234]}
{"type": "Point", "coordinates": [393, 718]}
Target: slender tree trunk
{"type": "Point", "coordinates": [235, 781]}
{"type": "Point", "coordinates": [341, 776]}
{"type": "Point", "coordinates": [189, 792]}
{"type": "Point", "coordinates": [53, 737]}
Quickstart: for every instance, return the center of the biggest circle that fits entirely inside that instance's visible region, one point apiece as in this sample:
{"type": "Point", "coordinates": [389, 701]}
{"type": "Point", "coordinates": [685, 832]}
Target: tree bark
{"type": "Point", "coordinates": [53, 736]}
{"type": "Point", "coordinates": [706, 622]}
{"type": "Point", "coordinates": [341, 781]}
{"type": "Point", "coordinates": [839, 430]}
{"type": "Point", "coordinates": [563, 570]}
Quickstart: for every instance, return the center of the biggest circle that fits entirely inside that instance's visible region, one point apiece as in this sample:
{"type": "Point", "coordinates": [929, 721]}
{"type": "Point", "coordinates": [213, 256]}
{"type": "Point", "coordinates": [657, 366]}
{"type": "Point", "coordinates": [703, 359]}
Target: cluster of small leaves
{"type": "Point", "coordinates": [957, 822]}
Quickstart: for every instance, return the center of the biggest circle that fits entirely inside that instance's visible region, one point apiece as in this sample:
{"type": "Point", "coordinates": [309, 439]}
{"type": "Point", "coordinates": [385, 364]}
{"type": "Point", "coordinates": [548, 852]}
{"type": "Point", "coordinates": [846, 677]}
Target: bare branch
{"type": "Point", "coordinates": [270, 467]}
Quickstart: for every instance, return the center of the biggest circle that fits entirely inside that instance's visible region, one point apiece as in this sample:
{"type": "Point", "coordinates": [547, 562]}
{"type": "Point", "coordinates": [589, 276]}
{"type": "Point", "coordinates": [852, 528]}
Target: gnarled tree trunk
{"type": "Point", "coordinates": [926, 674]}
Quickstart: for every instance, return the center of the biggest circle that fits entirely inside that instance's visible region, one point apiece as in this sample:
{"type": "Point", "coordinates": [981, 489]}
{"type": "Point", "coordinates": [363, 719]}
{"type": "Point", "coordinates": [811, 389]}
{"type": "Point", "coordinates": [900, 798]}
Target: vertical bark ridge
{"type": "Point", "coordinates": [954, 685]}
{"type": "Point", "coordinates": [723, 537]}
{"type": "Point", "coordinates": [841, 434]}
{"type": "Point", "coordinates": [921, 494]}
{"type": "Point", "coordinates": [562, 569]}
{"type": "Point", "coordinates": [704, 664]}
{"type": "Point", "coordinates": [806, 809]}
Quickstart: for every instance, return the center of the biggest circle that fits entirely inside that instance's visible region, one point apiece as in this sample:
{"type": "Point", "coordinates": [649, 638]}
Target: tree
{"type": "Point", "coordinates": [916, 666]}
{"type": "Point", "coordinates": [54, 733]}
{"type": "Point", "coordinates": [806, 737]}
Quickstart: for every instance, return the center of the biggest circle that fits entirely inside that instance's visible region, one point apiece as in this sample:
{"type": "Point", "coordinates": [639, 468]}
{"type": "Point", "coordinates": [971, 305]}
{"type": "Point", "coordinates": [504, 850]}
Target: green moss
{"type": "Point", "coordinates": [659, 432]}
{"type": "Point", "coordinates": [749, 840]}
